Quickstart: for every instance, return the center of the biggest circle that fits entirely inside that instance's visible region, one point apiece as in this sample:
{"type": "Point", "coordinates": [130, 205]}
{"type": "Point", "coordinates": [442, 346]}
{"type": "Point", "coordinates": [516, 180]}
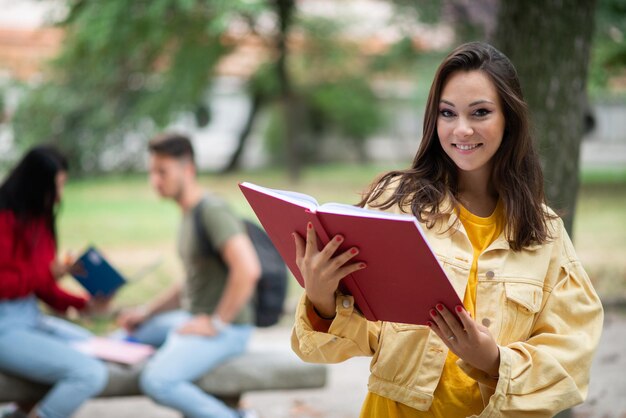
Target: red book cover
{"type": "Point", "coordinates": [403, 279]}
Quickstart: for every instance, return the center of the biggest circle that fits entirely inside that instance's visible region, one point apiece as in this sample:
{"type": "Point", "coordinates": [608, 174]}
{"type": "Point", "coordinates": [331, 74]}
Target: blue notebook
{"type": "Point", "coordinates": [96, 275]}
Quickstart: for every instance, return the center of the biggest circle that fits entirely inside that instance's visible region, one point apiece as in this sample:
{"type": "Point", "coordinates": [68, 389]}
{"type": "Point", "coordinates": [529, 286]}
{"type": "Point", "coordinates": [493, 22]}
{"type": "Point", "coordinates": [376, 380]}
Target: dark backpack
{"type": "Point", "coordinates": [271, 289]}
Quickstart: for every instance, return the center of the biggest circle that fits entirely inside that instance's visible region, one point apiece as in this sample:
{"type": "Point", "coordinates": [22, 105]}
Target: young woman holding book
{"type": "Point", "coordinates": [522, 343]}
{"type": "Point", "coordinates": [33, 345]}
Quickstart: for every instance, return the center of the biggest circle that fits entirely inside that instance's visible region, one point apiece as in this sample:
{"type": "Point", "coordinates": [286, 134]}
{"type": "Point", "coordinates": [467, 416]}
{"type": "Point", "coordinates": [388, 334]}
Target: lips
{"type": "Point", "coordinates": [466, 147]}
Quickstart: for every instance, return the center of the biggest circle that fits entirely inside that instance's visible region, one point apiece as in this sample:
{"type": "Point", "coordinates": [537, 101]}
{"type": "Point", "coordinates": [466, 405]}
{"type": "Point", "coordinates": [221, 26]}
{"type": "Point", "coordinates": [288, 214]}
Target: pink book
{"type": "Point", "coordinates": [117, 351]}
{"type": "Point", "coordinates": [403, 279]}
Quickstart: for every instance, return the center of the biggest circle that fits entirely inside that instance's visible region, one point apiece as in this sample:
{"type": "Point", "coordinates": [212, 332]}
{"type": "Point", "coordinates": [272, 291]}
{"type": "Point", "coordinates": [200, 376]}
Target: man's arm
{"type": "Point", "coordinates": [244, 269]}
{"type": "Point", "coordinates": [168, 300]}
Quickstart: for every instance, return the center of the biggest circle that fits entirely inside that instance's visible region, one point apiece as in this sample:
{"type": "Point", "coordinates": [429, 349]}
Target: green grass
{"type": "Point", "coordinates": [600, 236]}
{"type": "Point", "coordinates": [604, 176]}
{"type": "Point", "coordinates": [137, 230]}
{"type": "Point", "coordinates": [115, 211]}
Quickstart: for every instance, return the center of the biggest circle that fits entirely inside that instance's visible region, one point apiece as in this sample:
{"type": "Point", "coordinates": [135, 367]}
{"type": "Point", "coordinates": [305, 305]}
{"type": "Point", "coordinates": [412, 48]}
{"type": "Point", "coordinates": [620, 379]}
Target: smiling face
{"type": "Point", "coordinates": [471, 123]}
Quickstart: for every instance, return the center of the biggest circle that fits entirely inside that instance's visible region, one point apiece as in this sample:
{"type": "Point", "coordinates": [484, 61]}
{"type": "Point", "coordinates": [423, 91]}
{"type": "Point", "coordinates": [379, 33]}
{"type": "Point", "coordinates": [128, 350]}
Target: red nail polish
{"type": "Point", "coordinates": [430, 324]}
{"type": "Point", "coordinates": [439, 307]}
{"type": "Point", "coordinates": [433, 312]}
{"type": "Point", "coordinates": [362, 265]}
{"type": "Point", "coordinates": [459, 309]}
{"type": "Point", "coordinates": [338, 238]}
{"type": "Point", "coordinates": [354, 251]}
{"type": "Point", "coordinates": [309, 225]}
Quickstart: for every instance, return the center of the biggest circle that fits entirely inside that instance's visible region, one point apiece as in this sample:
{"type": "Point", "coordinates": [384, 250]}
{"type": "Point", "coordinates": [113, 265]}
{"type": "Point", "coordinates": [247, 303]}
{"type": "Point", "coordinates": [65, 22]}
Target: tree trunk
{"type": "Point", "coordinates": [285, 9]}
{"type": "Point", "coordinates": [549, 42]}
{"type": "Point", "coordinates": [233, 164]}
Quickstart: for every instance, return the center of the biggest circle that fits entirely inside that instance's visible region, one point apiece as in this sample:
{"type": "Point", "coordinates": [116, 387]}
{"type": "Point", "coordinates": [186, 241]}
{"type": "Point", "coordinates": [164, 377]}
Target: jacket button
{"type": "Point", "coordinates": [346, 303]}
{"type": "Point", "coordinates": [486, 322]}
{"type": "Point", "coordinates": [490, 274]}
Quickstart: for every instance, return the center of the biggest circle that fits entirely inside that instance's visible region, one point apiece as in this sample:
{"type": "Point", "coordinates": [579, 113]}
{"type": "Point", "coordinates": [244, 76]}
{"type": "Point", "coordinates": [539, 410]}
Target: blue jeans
{"type": "Point", "coordinates": [168, 377]}
{"type": "Point", "coordinates": [35, 346]}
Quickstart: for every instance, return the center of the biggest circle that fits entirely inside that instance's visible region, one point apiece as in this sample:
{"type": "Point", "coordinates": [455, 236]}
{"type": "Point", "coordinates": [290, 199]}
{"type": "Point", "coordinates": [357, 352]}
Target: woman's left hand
{"type": "Point", "coordinates": [469, 340]}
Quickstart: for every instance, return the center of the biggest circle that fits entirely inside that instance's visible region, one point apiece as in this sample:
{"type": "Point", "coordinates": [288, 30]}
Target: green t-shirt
{"type": "Point", "coordinates": [206, 273]}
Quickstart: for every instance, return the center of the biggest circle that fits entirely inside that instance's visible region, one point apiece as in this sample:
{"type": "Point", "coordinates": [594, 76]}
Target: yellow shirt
{"type": "Point", "coordinates": [457, 395]}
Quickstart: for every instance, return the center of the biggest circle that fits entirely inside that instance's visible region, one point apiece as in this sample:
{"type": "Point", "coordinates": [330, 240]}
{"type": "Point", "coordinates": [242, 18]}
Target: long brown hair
{"type": "Point", "coordinates": [433, 176]}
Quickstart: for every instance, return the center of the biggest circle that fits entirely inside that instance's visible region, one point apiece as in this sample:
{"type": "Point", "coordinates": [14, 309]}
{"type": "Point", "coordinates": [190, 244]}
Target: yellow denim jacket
{"type": "Point", "coordinates": [538, 304]}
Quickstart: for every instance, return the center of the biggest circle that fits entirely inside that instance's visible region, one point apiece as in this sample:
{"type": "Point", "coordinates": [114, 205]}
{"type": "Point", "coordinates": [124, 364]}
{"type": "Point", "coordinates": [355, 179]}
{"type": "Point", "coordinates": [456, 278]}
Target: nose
{"type": "Point", "coordinates": [463, 129]}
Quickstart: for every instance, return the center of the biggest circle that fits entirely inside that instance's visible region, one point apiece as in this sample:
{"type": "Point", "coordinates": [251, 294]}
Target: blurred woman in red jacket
{"type": "Point", "coordinates": [33, 345]}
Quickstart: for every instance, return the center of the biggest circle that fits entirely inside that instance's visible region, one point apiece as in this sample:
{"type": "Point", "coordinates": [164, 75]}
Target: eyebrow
{"type": "Point", "coordinates": [474, 103]}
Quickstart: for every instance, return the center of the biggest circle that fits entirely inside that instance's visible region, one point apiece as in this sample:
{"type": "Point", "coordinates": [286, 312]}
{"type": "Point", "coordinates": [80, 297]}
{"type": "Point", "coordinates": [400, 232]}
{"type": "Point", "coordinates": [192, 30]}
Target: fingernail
{"type": "Point", "coordinates": [459, 309]}
{"type": "Point", "coordinates": [362, 265]}
{"type": "Point", "coordinates": [354, 251]}
{"type": "Point", "coordinates": [309, 225]}
{"type": "Point", "coordinates": [430, 324]}
{"type": "Point", "coordinates": [338, 238]}
{"type": "Point", "coordinates": [439, 307]}
{"type": "Point", "coordinates": [433, 312]}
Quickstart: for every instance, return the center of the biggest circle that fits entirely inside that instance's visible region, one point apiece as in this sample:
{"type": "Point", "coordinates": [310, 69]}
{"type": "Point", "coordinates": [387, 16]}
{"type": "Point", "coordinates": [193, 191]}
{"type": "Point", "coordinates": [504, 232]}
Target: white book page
{"type": "Point", "coordinates": [340, 208]}
{"type": "Point", "coordinates": [296, 198]}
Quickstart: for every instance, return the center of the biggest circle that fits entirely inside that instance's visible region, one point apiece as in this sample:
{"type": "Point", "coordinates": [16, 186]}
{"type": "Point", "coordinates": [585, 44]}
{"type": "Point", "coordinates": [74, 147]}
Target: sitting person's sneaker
{"type": "Point", "coordinates": [248, 413]}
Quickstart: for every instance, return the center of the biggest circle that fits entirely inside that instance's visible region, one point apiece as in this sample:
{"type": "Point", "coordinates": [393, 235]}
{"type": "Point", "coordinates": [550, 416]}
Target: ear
{"type": "Point", "coordinates": [193, 169]}
{"type": "Point", "coordinates": [189, 168]}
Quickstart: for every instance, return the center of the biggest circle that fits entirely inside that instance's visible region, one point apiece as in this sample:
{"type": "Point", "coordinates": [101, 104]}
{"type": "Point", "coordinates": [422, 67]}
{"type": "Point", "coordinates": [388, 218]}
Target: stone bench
{"type": "Point", "coordinates": [254, 371]}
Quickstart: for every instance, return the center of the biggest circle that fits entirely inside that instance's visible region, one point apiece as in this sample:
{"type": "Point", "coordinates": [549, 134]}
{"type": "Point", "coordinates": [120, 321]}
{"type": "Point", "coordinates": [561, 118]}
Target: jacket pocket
{"type": "Point", "coordinates": [400, 353]}
{"type": "Point", "coordinates": [523, 302]}
{"type": "Point", "coordinates": [398, 327]}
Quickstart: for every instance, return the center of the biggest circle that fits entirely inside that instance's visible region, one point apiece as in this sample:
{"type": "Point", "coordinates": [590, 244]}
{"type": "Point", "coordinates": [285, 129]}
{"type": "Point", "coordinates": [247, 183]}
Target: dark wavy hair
{"type": "Point", "coordinates": [517, 175]}
{"type": "Point", "coordinates": [30, 189]}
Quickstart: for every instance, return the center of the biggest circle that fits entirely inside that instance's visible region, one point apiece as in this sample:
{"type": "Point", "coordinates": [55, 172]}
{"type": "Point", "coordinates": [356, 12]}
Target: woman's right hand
{"type": "Point", "coordinates": [322, 270]}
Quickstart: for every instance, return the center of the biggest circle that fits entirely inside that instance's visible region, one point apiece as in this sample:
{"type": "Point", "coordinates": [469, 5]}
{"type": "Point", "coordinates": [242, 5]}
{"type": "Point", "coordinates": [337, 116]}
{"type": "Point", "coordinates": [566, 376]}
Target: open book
{"type": "Point", "coordinates": [96, 274]}
{"type": "Point", "coordinates": [117, 351]}
{"type": "Point", "coordinates": [403, 279]}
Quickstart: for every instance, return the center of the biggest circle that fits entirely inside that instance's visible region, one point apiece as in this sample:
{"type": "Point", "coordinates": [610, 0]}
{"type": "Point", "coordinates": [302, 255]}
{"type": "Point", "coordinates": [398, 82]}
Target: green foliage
{"type": "Point", "coordinates": [126, 66]}
{"type": "Point", "coordinates": [609, 50]}
{"type": "Point", "coordinates": [348, 104]}
{"type": "Point", "coordinates": [331, 93]}
{"type": "Point", "coordinates": [426, 11]}
{"type": "Point", "coordinates": [275, 135]}
{"type": "Point", "coordinates": [264, 81]}
{"type": "Point", "coordinates": [401, 55]}
{"type": "Point", "coordinates": [333, 77]}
